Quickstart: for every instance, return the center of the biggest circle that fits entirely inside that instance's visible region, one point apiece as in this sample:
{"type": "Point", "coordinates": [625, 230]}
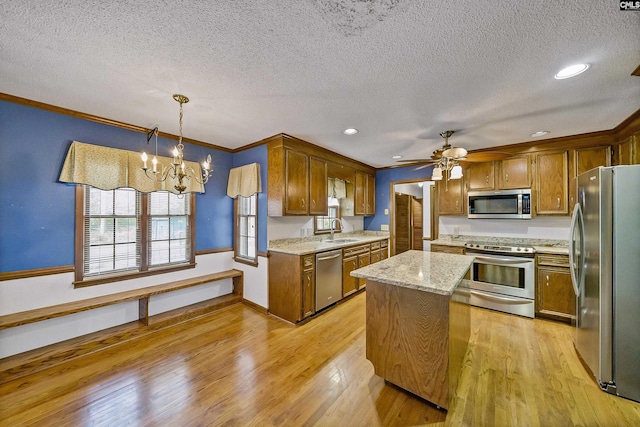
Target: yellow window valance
{"type": "Point", "coordinates": [110, 168]}
{"type": "Point", "coordinates": [244, 181]}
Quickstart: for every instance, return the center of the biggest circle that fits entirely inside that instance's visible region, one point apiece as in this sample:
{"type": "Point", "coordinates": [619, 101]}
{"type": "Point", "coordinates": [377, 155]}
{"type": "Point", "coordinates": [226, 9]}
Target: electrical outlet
{"type": "Point", "coordinates": [384, 227]}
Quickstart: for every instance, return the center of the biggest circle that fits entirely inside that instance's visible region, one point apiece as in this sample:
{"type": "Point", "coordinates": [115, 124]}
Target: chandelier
{"type": "Point", "coordinates": [177, 169]}
{"type": "Point", "coordinates": [448, 160]}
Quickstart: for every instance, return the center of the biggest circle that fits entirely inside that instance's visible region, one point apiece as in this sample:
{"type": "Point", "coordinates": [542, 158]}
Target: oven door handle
{"type": "Point", "coordinates": [499, 299]}
{"type": "Point", "coordinates": [504, 261]}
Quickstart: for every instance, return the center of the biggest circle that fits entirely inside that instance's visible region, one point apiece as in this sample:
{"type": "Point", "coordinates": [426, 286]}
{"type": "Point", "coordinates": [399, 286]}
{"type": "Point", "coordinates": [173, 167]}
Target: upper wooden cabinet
{"type": "Point", "coordinates": [305, 186]}
{"type": "Point", "coordinates": [481, 176]}
{"type": "Point", "coordinates": [552, 183]}
{"type": "Point", "coordinates": [585, 159]}
{"type": "Point", "coordinates": [514, 173]}
{"type": "Point", "coordinates": [365, 194]}
{"type": "Point", "coordinates": [451, 197]}
{"type": "Point", "coordinates": [629, 151]}
{"type": "Point", "coordinates": [318, 197]}
{"type": "Point", "coordinates": [297, 178]}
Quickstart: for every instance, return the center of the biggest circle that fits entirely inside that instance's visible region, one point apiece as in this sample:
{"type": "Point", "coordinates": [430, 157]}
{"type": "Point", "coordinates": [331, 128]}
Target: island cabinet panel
{"type": "Point", "coordinates": [515, 173]}
{"type": "Point", "coordinates": [416, 339]}
{"type": "Point", "coordinates": [552, 182]}
{"type": "Point", "coordinates": [481, 176]}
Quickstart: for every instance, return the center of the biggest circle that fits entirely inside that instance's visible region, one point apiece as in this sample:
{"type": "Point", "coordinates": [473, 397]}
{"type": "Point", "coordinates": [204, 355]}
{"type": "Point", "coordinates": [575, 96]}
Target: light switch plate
{"type": "Point", "coordinates": [386, 211]}
{"type": "Point", "coordinates": [384, 227]}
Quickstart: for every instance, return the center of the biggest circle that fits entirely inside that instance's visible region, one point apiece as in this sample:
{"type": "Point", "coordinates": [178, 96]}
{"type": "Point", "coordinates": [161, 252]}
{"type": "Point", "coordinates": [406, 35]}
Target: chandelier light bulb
{"type": "Point", "coordinates": [144, 160]}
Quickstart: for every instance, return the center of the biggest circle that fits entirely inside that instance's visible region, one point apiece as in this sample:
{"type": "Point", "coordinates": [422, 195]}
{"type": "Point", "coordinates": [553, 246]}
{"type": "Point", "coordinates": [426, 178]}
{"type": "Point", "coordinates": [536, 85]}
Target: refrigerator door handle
{"type": "Point", "coordinates": [575, 280]}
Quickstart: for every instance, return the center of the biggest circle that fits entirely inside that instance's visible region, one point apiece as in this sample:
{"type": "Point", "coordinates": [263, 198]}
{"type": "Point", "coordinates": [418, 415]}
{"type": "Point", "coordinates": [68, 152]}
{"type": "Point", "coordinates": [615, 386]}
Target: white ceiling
{"type": "Point", "coordinates": [400, 71]}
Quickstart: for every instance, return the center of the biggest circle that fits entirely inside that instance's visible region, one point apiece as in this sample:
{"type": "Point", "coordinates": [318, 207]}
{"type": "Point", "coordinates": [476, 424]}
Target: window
{"type": "Point", "coordinates": [122, 232]}
{"type": "Point", "coordinates": [246, 237]}
{"type": "Point", "coordinates": [323, 223]}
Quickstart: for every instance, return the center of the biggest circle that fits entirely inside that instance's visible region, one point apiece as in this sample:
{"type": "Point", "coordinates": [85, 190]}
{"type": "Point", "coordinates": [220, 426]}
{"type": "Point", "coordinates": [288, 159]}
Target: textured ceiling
{"type": "Point", "coordinates": [400, 71]}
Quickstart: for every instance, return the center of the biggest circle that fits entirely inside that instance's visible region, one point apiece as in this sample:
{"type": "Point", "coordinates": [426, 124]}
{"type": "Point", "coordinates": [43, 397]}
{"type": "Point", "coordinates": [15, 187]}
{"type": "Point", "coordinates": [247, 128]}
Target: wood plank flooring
{"type": "Point", "coordinates": [238, 367]}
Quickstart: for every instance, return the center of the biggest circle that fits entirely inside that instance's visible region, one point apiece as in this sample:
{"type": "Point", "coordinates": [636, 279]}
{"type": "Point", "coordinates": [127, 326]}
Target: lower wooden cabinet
{"type": "Point", "coordinates": [555, 298]}
{"type": "Point", "coordinates": [457, 250]}
{"type": "Point", "coordinates": [292, 287]}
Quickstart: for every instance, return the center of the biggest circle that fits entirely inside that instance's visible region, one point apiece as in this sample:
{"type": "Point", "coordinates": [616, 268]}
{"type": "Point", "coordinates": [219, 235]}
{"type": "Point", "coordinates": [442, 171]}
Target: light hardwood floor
{"type": "Point", "coordinates": [240, 367]}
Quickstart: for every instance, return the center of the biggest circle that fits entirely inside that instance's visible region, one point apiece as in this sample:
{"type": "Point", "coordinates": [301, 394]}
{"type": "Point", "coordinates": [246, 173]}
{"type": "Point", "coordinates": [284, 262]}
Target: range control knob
{"type": "Point", "coordinates": [519, 249]}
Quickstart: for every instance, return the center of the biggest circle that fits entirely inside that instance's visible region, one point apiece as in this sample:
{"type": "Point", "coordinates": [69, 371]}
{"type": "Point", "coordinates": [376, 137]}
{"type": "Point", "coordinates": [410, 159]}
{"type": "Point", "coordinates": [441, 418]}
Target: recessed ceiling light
{"type": "Point", "coordinates": [571, 71]}
{"type": "Point", "coordinates": [350, 131]}
{"type": "Point", "coordinates": [396, 157]}
{"type": "Point", "coordinates": [539, 133]}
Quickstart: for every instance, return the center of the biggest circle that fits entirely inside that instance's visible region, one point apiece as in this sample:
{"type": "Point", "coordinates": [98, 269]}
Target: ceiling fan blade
{"type": "Point", "coordinates": [421, 167]}
{"type": "Point", "coordinates": [487, 156]}
{"type": "Point", "coordinates": [415, 161]}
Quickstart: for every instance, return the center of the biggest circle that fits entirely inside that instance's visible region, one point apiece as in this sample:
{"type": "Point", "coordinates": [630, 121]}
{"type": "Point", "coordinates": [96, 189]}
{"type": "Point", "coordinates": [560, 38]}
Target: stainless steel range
{"type": "Point", "coordinates": [502, 277]}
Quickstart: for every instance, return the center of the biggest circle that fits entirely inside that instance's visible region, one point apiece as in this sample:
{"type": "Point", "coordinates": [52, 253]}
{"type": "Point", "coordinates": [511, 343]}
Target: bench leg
{"type": "Point", "coordinates": [143, 310]}
{"type": "Point", "coordinates": [238, 285]}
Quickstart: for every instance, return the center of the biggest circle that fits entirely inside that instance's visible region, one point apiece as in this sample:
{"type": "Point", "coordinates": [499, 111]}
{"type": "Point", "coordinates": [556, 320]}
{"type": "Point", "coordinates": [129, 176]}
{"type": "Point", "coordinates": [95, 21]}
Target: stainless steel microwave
{"type": "Point", "coordinates": [500, 204]}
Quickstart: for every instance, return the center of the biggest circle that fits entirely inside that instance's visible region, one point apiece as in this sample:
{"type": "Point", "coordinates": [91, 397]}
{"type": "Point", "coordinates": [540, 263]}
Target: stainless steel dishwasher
{"type": "Point", "coordinates": [328, 278]}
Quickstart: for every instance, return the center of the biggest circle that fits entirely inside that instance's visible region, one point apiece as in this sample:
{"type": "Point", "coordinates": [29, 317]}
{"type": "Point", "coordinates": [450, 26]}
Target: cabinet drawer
{"type": "Point", "coordinates": [384, 244]}
{"type": "Point", "coordinates": [448, 249]}
{"type": "Point", "coordinates": [375, 246]}
{"type": "Point", "coordinates": [355, 250]}
{"type": "Point", "coordinates": [554, 260]}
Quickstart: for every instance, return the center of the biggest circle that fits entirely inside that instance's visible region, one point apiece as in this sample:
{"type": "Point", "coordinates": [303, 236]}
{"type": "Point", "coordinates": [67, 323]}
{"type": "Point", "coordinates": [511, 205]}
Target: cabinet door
{"type": "Point", "coordinates": [363, 261]}
{"type": "Point", "coordinates": [585, 159]}
{"type": "Point", "coordinates": [349, 283]}
{"type": "Point", "coordinates": [555, 294]}
{"type": "Point", "coordinates": [375, 256]}
{"type": "Point", "coordinates": [308, 293]}
{"type": "Point", "coordinates": [370, 198]}
{"type": "Point", "coordinates": [552, 183]}
{"type": "Point", "coordinates": [360, 207]}
{"type": "Point", "coordinates": [629, 151]}
{"type": "Point", "coordinates": [296, 183]}
{"type": "Point", "coordinates": [318, 187]}
{"type": "Point", "coordinates": [451, 197]}
{"type": "Point", "coordinates": [480, 176]}
{"type": "Point", "coordinates": [514, 173]}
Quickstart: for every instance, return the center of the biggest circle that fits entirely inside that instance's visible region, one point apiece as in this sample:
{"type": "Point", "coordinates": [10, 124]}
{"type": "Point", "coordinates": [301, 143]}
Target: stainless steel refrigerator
{"type": "Point", "coordinates": [605, 268]}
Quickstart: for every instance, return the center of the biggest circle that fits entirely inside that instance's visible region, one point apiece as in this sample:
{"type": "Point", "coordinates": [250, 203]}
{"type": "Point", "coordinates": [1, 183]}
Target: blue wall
{"type": "Point", "coordinates": [383, 179]}
{"type": "Point", "coordinates": [37, 212]}
{"type": "Point", "coordinates": [257, 155]}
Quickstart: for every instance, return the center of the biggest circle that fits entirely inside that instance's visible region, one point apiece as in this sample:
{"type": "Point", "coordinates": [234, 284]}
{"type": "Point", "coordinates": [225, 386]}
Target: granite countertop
{"type": "Point", "coordinates": [543, 246]}
{"type": "Point", "coordinates": [315, 244]}
{"type": "Point", "coordinates": [434, 272]}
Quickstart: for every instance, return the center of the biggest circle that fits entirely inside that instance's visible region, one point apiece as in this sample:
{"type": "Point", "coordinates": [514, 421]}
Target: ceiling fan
{"type": "Point", "coordinates": [448, 156]}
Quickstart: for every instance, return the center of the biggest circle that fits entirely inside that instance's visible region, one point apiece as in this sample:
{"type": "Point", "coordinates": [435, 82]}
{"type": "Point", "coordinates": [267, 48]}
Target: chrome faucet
{"type": "Point", "coordinates": [333, 223]}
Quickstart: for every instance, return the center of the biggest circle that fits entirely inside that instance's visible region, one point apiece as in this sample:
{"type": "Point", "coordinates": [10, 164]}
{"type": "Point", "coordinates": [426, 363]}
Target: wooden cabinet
{"type": "Point", "coordinates": [318, 197]}
{"type": "Point", "coordinates": [555, 297]}
{"type": "Point", "coordinates": [364, 259]}
{"type": "Point", "coordinates": [365, 193]}
{"type": "Point", "coordinates": [629, 151]}
{"type": "Point", "coordinates": [291, 286]}
{"type": "Point", "coordinates": [481, 176]}
{"type": "Point", "coordinates": [384, 249]}
{"type": "Point", "coordinates": [349, 283]}
{"type": "Point", "coordinates": [585, 159]}
{"type": "Point", "coordinates": [457, 250]}
{"type": "Point", "coordinates": [308, 286]}
{"type": "Point", "coordinates": [297, 183]}
{"type": "Point", "coordinates": [451, 197]}
{"type": "Point", "coordinates": [514, 173]}
{"type": "Point", "coordinates": [552, 183]}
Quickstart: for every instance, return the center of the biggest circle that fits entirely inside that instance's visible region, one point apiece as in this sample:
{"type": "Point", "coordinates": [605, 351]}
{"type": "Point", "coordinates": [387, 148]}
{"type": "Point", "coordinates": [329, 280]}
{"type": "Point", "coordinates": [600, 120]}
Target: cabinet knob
{"type": "Point", "coordinates": [303, 203]}
{"type": "Point", "coordinates": [506, 177]}
{"type": "Point", "coordinates": [313, 203]}
{"type": "Point", "coordinates": [558, 202]}
{"type": "Point", "coordinates": [486, 179]}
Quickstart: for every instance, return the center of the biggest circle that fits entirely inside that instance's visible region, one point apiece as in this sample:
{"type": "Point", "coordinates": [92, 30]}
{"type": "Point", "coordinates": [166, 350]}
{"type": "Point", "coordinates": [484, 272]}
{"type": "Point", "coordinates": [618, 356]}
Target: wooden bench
{"type": "Point", "coordinates": [35, 360]}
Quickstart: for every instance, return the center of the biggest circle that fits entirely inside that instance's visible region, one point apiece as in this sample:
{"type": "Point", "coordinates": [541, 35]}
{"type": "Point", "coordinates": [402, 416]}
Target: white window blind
{"type": "Point", "coordinates": [169, 234]}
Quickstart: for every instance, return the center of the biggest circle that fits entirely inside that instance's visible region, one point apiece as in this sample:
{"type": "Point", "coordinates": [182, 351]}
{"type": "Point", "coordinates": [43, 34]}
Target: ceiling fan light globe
{"type": "Point", "coordinates": [455, 152]}
{"type": "Point", "coordinates": [437, 174]}
{"type": "Point", "coordinates": [456, 172]}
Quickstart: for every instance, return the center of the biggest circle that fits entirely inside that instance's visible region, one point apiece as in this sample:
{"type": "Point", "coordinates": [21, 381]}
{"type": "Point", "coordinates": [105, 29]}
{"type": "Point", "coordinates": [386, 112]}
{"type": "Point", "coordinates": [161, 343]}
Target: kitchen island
{"type": "Point", "coordinates": [418, 321]}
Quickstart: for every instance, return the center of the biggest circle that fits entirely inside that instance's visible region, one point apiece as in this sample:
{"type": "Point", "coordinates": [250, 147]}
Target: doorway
{"type": "Point", "coordinates": [411, 217]}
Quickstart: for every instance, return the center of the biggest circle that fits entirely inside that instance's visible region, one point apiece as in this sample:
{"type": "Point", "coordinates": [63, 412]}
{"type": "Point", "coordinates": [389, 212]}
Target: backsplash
{"type": "Point", "coordinates": [556, 228]}
{"type": "Point", "coordinates": [290, 227]}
